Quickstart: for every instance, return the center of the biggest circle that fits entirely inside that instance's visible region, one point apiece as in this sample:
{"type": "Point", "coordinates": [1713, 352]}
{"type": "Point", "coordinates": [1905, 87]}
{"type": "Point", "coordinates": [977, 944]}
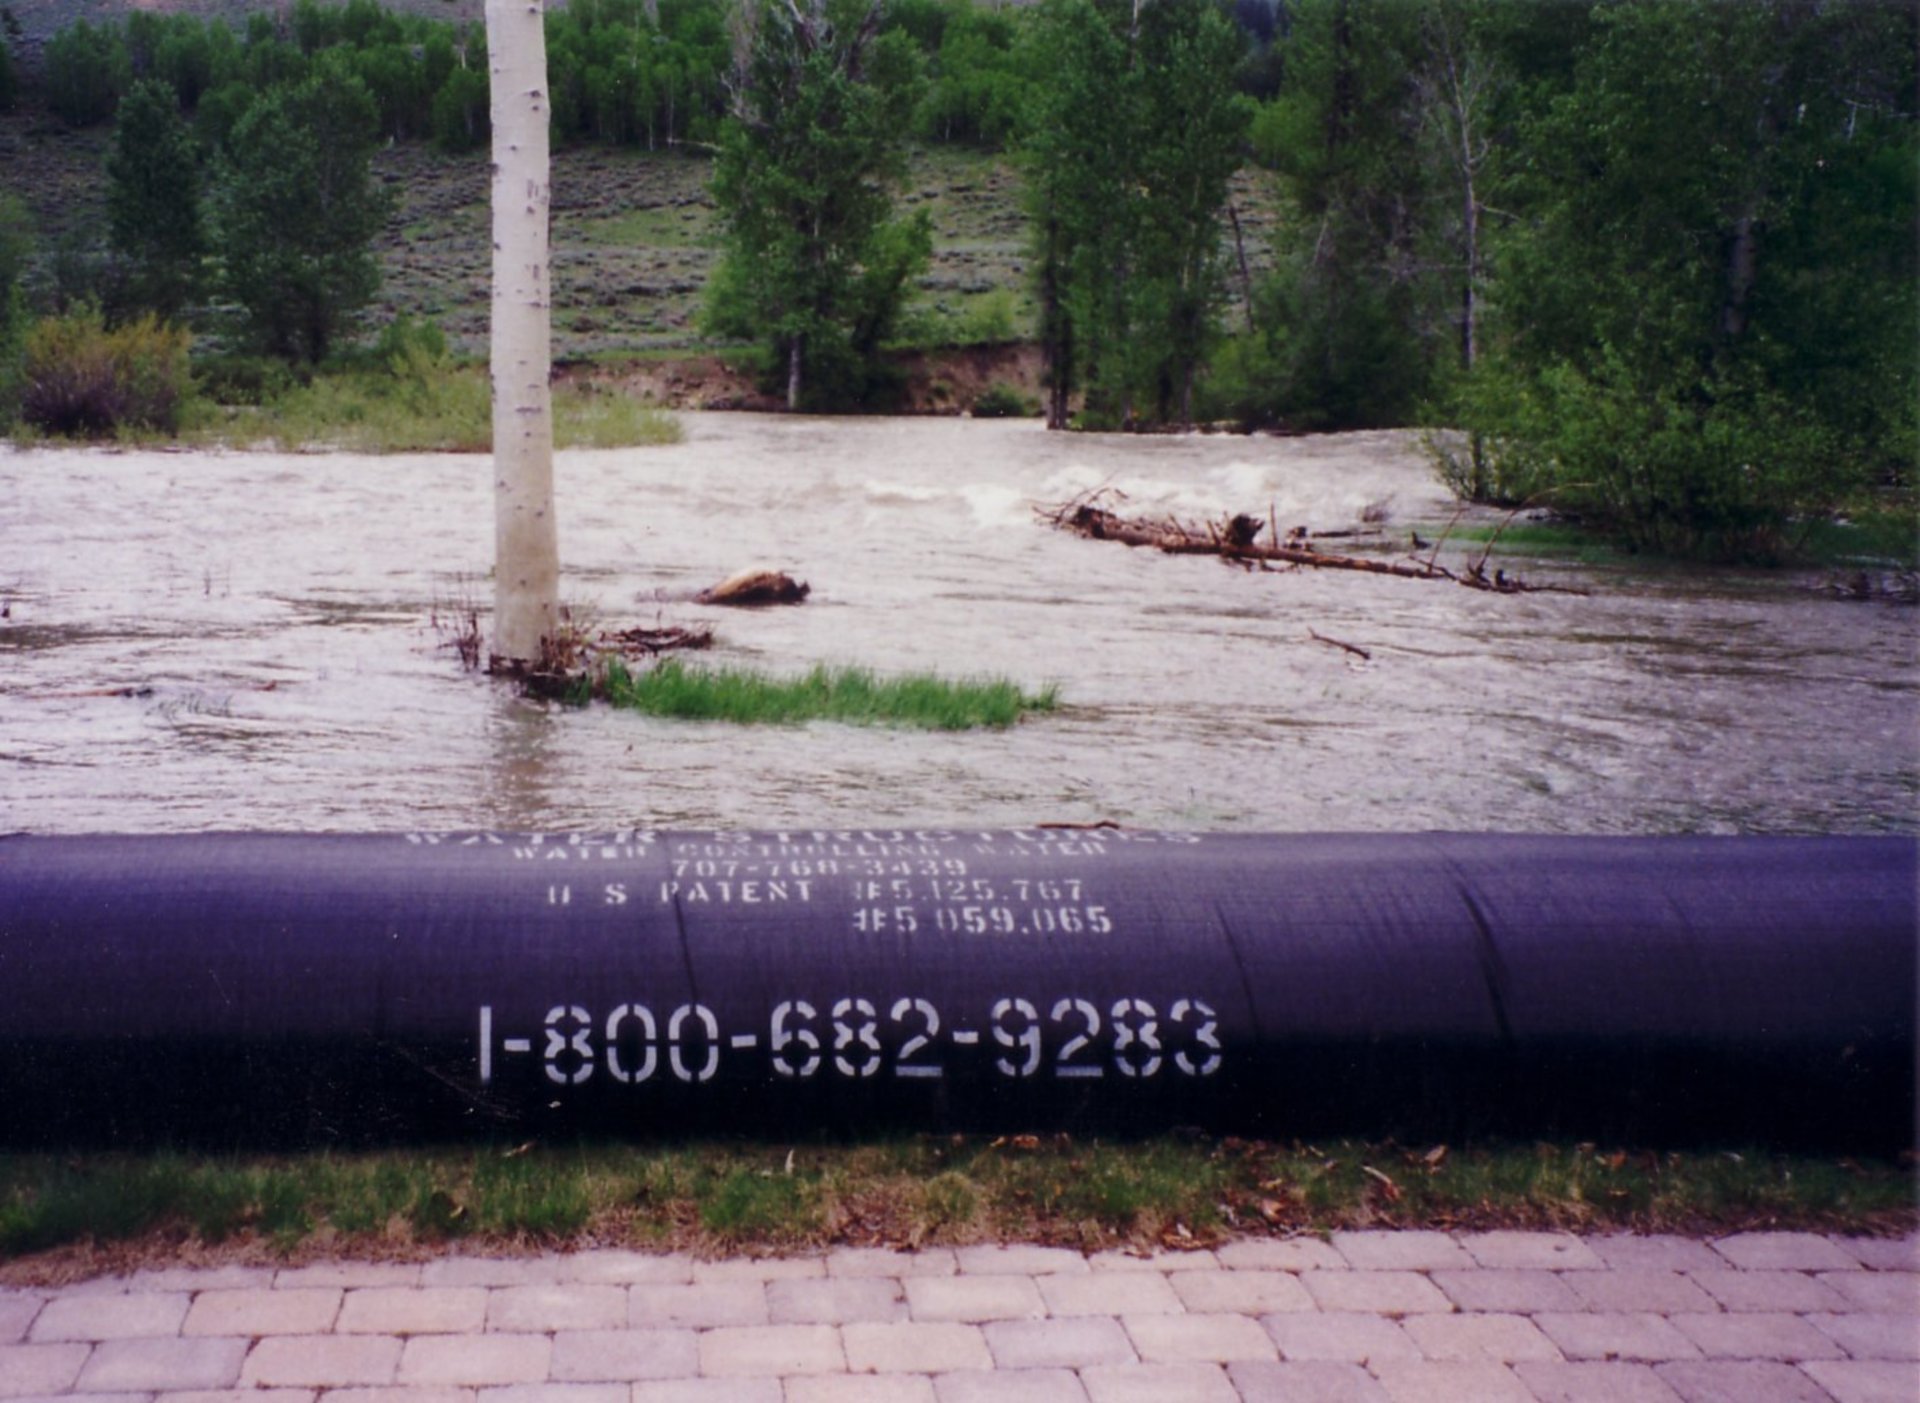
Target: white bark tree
{"type": "Point", "coordinates": [526, 590]}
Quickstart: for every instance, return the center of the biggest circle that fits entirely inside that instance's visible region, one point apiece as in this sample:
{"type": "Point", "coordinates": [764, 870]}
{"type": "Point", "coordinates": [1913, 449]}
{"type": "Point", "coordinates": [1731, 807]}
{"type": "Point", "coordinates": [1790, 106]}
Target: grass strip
{"type": "Point", "coordinates": [62, 1215]}
{"type": "Point", "coordinates": [437, 410]}
{"type": "Point", "coordinates": [850, 694]}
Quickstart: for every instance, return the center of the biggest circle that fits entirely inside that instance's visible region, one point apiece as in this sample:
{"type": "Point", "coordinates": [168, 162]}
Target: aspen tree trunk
{"type": "Point", "coordinates": [526, 558]}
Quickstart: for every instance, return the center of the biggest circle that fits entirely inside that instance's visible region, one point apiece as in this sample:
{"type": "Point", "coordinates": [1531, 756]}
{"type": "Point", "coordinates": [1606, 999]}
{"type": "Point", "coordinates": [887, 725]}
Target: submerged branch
{"type": "Point", "coordinates": [1235, 539]}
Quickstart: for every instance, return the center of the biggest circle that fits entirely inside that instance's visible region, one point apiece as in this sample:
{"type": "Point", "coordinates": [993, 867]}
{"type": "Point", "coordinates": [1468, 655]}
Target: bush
{"type": "Point", "coordinates": [83, 380]}
{"type": "Point", "coordinates": [1001, 401]}
{"type": "Point", "coordinates": [243, 380]}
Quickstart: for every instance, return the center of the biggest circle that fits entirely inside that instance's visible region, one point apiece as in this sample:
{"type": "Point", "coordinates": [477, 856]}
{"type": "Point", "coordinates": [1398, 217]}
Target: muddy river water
{"type": "Point", "coordinates": [204, 641]}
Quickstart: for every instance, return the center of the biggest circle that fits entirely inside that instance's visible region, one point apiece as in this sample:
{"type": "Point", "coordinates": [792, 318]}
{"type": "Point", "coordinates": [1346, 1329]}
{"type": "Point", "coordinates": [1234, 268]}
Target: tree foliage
{"type": "Point", "coordinates": [1707, 323]}
{"type": "Point", "coordinates": [816, 266]}
{"type": "Point", "coordinates": [1131, 142]}
{"type": "Point", "coordinates": [296, 210]}
{"type": "Point", "coordinates": [153, 201]}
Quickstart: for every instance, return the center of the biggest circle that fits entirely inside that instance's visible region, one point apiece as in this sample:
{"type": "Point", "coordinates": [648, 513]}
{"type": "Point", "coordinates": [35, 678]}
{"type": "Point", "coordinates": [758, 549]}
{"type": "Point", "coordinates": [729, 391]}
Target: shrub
{"type": "Point", "coordinates": [1001, 401]}
{"type": "Point", "coordinates": [82, 380]}
{"type": "Point", "coordinates": [243, 380]}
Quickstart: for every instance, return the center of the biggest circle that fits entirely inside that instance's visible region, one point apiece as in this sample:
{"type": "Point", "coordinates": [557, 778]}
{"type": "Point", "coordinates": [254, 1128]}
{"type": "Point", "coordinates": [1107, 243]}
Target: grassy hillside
{"type": "Point", "coordinates": [633, 236]}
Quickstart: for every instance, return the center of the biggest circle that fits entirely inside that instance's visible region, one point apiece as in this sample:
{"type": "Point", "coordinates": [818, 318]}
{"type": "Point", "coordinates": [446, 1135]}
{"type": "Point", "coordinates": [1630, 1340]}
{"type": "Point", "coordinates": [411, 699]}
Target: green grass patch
{"type": "Point", "coordinates": [849, 694]}
{"type": "Point", "coordinates": [705, 1196]}
{"type": "Point", "coordinates": [1887, 536]}
{"type": "Point", "coordinates": [422, 410]}
{"type": "Point", "coordinates": [1542, 540]}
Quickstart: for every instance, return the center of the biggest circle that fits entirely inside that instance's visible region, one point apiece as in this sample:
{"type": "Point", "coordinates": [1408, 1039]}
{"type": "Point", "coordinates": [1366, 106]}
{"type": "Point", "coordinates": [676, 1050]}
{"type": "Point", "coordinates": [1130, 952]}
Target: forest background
{"type": "Point", "coordinates": [1649, 263]}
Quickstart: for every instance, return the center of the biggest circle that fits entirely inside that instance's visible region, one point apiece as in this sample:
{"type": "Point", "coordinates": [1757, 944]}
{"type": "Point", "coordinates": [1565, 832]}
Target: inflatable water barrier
{"type": "Point", "coordinates": [336, 988]}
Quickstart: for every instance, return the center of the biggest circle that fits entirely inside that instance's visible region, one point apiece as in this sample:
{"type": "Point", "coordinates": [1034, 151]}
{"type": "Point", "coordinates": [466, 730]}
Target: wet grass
{"type": "Point", "coordinates": [448, 410]}
{"type": "Point", "coordinates": [848, 694]}
{"type": "Point", "coordinates": [708, 1196]}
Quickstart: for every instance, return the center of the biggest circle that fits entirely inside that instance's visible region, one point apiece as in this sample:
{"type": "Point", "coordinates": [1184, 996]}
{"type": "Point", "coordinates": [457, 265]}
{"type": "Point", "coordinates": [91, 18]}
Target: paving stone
{"type": "Point", "coordinates": [109, 1317]}
{"type": "Point", "coordinates": [1521, 1291]}
{"type": "Point", "coordinates": [518, 1309]}
{"type": "Point", "coordinates": [1884, 1253]}
{"type": "Point", "coordinates": [836, 1301]}
{"type": "Point", "coordinates": [860, 1388]}
{"type": "Point", "coordinates": [1890, 1291]}
{"type": "Point", "coordinates": [475, 1360]}
{"type": "Point", "coordinates": [1018, 1259]}
{"type": "Point", "coordinates": [1340, 1336]}
{"type": "Point", "coordinates": [862, 1262]}
{"type": "Point", "coordinates": [414, 1310]}
{"type": "Point", "coordinates": [1401, 1251]}
{"type": "Point", "coordinates": [1655, 1252]}
{"type": "Point", "coordinates": [1756, 1336]}
{"type": "Point", "coordinates": [771, 1349]}
{"type": "Point", "coordinates": [1867, 1335]}
{"type": "Point", "coordinates": [974, 1298]}
{"type": "Point", "coordinates": [257, 1311]}
{"type": "Point", "coordinates": [1305, 1383]}
{"type": "Point", "coordinates": [191, 1279]}
{"type": "Point", "coordinates": [1075, 1343]}
{"type": "Point", "coordinates": [16, 1314]}
{"type": "Point", "coordinates": [553, 1393]}
{"type": "Point", "coordinates": [85, 1398]}
{"type": "Point", "coordinates": [1664, 1291]}
{"type": "Point", "coordinates": [1540, 1250]}
{"type": "Point", "coordinates": [1639, 1335]}
{"type": "Point", "coordinates": [1375, 1292]}
{"type": "Point", "coordinates": [1499, 1339]}
{"type": "Point", "coordinates": [915, 1348]}
{"type": "Point", "coordinates": [1739, 1381]}
{"type": "Point", "coordinates": [758, 1269]}
{"type": "Point", "coordinates": [700, 1307]}
{"type": "Point", "coordinates": [239, 1395]}
{"type": "Point", "coordinates": [117, 1366]}
{"type": "Point", "coordinates": [1017, 1386]}
{"type": "Point", "coordinates": [32, 1369]}
{"type": "Point", "coordinates": [1865, 1381]}
{"type": "Point", "coordinates": [1243, 1292]}
{"type": "Point", "coordinates": [1109, 1293]}
{"type": "Point", "coordinates": [1198, 1339]}
{"type": "Point", "coordinates": [709, 1391]}
{"type": "Point", "coordinates": [1785, 1251]}
{"type": "Point", "coordinates": [350, 1274]}
{"type": "Point", "coordinates": [606, 1266]}
{"type": "Point", "coordinates": [591, 1355]}
{"type": "Point", "coordinates": [495, 1271]}
{"type": "Point", "coordinates": [1158, 1383]}
{"type": "Point", "coordinates": [321, 1361]}
{"type": "Point", "coordinates": [1594, 1383]}
{"type": "Point", "coordinates": [1791, 1291]}
{"type": "Point", "coordinates": [1451, 1383]}
{"type": "Point", "coordinates": [1200, 1259]}
{"type": "Point", "coordinates": [395, 1394]}
{"type": "Point", "coordinates": [1281, 1254]}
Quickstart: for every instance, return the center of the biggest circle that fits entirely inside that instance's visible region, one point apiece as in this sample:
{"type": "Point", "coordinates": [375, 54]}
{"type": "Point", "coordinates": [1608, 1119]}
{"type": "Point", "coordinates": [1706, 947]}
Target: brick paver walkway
{"type": "Point", "coordinates": [1387, 1317]}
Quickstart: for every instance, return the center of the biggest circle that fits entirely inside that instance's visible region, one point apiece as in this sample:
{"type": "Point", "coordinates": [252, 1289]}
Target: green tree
{"type": "Point", "coordinates": [9, 84]}
{"type": "Point", "coordinates": [1132, 138]}
{"type": "Point", "coordinates": [86, 71]}
{"type": "Point", "coordinates": [815, 264]}
{"type": "Point", "coordinates": [16, 247]}
{"type": "Point", "coordinates": [1707, 321]}
{"type": "Point", "coordinates": [153, 200]}
{"type": "Point", "coordinates": [296, 210]}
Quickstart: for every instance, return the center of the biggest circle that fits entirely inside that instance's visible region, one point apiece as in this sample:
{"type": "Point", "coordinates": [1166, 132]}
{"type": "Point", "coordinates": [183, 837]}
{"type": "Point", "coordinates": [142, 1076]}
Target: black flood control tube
{"type": "Point", "coordinates": [300, 989]}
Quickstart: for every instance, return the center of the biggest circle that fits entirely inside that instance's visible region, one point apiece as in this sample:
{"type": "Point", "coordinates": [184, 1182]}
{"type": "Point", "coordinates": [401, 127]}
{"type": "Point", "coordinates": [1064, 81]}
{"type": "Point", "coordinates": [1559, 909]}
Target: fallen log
{"type": "Point", "coordinates": [1235, 539]}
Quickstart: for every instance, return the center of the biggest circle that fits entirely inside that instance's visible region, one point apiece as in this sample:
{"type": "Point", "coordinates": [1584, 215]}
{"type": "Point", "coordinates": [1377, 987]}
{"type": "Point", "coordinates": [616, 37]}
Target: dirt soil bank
{"type": "Point", "coordinates": [933, 382]}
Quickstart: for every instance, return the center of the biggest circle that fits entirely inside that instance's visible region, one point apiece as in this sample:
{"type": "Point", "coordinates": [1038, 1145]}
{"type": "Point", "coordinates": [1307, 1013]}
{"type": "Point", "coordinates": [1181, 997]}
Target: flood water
{"type": "Point", "coordinates": [213, 641]}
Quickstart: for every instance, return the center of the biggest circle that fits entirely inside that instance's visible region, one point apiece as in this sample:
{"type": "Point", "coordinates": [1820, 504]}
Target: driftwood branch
{"type": "Point", "coordinates": [1235, 539]}
{"type": "Point", "coordinates": [1358, 652]}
